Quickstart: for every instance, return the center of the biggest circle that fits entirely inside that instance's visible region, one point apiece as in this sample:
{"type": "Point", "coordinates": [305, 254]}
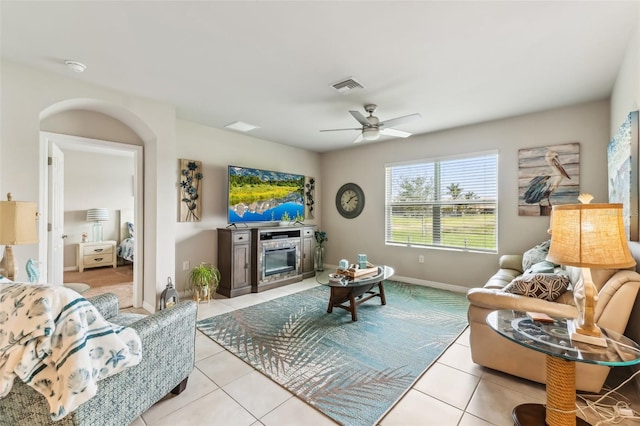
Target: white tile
{"type": "Point", "coordinates": [242, 301]}
{"type": "Point", "coordinates": [448, 384]}
{"type": "Point", "coordinates": [198, 385]}
{"type": "Point", "coordinates": [138, 422]}
{"type": "Point", "coordinates": [535, 390]}
{"type": "Point", "coordinates": [494, 403]}
{"type": "Point", "coordinates": [213, 308]}
{"type": "Point", "coordinates": [418, 409]}
{"type": "Point", "coordinates": [459, 356]}
{"type": "Point", "coordinates": [295, 412]}
{"type": "Point", "coordinates": [224, 367]}
{"type": "Point", "coordinates": [469, 420]}
{"type": "Point", "coordinates": [257, 393]}
{"type": "Point", "coordinates": [463, 339]}
{"type": "Point", "coordinates": [213, 409]}
{"type": "Point", "coordinates": [205, 347]}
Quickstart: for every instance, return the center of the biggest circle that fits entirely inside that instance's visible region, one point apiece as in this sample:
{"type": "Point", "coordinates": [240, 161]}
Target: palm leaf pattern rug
{"type": "Point", "coordinates": [352, 371]}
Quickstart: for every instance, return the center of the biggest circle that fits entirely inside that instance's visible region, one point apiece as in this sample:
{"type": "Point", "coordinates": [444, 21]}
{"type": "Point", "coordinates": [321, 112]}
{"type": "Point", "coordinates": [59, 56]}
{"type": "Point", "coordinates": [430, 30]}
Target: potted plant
{"type": "Point", "coordinates": [203, 281]}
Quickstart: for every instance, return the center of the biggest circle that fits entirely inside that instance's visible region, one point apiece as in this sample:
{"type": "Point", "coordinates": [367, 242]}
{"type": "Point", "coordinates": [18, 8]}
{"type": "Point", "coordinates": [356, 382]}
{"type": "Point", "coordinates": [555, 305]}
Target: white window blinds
{"type": "Point", "coordinates": [448, 203]}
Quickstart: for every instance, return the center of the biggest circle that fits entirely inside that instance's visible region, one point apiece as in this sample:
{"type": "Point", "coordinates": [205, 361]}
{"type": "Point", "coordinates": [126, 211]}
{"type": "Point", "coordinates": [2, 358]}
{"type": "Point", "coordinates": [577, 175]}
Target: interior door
{"type": "Point", "coordinates": [55, 234]}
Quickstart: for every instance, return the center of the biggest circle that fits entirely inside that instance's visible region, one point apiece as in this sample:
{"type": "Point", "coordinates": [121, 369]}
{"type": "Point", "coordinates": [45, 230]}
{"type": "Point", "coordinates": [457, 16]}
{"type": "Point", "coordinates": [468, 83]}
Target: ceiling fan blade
{"type": "Point", "coordinates": [358, 139]}
{"type": "Point", "coordinates": [395, 133]}
{"type": "Point", "coordinates": [401, 120]}
{"type": "Point", "coordinates": [337, 130]}
{"type": "Point", "coordinates": [361, 118]}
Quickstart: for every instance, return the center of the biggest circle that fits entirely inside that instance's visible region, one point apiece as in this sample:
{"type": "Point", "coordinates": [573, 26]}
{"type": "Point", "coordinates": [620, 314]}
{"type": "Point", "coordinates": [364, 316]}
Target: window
{"type": "Point", "coordinates": [447, 203]}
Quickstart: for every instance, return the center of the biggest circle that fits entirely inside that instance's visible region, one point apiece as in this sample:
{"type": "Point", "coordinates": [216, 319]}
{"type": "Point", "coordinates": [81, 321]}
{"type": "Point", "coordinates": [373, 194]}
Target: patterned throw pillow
{"type": "Point", "coordinates": [541, 286]}
{"type": "Point", "coordinates": [130, 229]}
{"type": "Point", "coordinates": [535, 255]}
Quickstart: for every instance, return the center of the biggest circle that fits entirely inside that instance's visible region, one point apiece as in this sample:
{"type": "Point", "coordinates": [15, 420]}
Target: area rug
{"type": "Point", "coordinates": [123, 291]}
{"type": "Point", "coordinates": [353, 372]}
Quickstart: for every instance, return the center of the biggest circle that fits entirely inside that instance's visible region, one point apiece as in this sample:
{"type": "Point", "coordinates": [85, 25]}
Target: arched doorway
{"type": "Point", "coordinates": [75, 128]}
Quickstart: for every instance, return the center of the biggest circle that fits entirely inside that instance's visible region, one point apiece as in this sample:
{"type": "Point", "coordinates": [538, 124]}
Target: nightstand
{"type": "Point", "coordinates": [92, 255]}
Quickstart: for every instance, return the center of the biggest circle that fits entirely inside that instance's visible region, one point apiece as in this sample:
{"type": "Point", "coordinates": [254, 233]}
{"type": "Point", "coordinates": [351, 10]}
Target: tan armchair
{"type": "Point", "coordinates": [617, 291]}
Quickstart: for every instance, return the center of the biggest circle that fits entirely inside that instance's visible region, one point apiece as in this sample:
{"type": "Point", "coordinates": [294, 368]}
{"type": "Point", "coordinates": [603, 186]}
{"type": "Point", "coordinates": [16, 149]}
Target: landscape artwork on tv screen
{"type": "Point", "coordinates": [264, 196]}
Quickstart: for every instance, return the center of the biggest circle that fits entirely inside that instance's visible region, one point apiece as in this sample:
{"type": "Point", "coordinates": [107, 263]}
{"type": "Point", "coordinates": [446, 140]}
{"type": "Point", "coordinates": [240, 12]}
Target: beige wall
{"type": "Point", "coordinates": [197, 241]}
{"type": "Point", "coordinates": [587, 124]}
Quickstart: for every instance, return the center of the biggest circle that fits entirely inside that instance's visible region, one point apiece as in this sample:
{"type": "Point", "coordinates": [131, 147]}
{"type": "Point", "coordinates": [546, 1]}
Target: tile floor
{"type": "Point", "coordinates": [223, 390]}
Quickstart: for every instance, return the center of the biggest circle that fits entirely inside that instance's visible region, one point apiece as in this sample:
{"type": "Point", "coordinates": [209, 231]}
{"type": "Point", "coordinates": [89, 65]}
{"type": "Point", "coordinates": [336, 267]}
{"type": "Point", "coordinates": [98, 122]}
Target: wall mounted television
{"type": "Point", "coordinates": [256, 195]}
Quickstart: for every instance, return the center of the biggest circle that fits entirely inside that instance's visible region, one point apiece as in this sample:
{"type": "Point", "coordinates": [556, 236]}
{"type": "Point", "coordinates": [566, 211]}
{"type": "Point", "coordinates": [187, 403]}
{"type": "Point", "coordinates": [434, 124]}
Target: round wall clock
{"type": "Point", "coordinates": [350, 200]}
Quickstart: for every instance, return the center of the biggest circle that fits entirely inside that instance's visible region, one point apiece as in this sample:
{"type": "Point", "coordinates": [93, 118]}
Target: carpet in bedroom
{"type": "Point", "coordinates": [118, 281]}
{"type": "Point", "coordinates": [353, 372]}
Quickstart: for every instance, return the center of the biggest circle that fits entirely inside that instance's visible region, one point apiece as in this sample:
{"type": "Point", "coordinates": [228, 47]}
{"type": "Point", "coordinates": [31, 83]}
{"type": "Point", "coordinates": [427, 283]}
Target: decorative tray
{"type": "Point", "coordinates": [355, 273]}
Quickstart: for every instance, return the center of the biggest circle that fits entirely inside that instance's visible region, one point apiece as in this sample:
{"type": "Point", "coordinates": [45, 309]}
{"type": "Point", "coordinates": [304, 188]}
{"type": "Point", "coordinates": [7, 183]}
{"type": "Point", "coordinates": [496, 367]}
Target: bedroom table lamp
{"type": "Point", "coordinates": [17, 226]}
{"type": "Point", "coordinates": [588, 236]}
{"type": "Point", "coordinates": [96, 216]}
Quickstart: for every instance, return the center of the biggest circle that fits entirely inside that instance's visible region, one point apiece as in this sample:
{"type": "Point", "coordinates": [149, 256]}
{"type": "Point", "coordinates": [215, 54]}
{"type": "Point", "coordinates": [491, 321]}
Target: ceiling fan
{"type": "Point", "coordinates": [372, 127]}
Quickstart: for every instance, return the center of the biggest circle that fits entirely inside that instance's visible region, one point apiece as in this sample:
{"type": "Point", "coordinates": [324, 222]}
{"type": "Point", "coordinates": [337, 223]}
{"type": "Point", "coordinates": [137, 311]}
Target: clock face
{"type": "Point", "coordinates": [350, 200]}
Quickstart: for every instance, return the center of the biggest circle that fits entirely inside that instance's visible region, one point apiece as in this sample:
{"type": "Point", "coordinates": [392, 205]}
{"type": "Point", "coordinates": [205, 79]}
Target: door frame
{"type": "Point", "coordinates": [77, 142]}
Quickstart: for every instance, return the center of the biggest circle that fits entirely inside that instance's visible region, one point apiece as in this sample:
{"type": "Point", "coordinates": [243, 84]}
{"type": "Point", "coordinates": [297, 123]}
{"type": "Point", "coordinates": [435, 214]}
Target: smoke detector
{"type": "Point", "coordinates": [76, 66]}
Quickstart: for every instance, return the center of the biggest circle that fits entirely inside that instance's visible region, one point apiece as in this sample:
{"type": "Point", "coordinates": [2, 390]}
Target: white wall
{"type": "Point", "coordinates": [197, 241]}
{"type": "Point", "coordinates": [625, 96]}
{"type": "Point", "coordinates": [29, 95]}
{"type": "Point", "coordinates": [587, 124]}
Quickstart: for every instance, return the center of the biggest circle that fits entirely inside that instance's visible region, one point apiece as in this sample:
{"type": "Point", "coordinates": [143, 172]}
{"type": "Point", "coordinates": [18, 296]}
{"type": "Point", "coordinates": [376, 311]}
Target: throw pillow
{"type": "Point", "coordinates": [544, 267]}
{"type": "Point", "coordinates": [130, 229]}
{"type": "Point", "coordinates": [541, 286]}
{"type": "Point", "coordinates": [535, 255]}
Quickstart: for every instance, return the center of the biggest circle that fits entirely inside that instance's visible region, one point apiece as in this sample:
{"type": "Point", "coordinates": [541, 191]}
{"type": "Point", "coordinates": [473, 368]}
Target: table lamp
{"type": "Point", "coordinates": [96, 216]}
{"type": "Point", "coordinates": [17, 226]}
{"type": "Point", "coordinates": [588, 236]}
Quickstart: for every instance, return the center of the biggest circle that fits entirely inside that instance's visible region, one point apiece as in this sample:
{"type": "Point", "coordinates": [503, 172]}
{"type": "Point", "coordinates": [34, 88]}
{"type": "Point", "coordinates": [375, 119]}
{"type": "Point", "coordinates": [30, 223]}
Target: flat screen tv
{"type": "Point", "coordinates": [257, 195]}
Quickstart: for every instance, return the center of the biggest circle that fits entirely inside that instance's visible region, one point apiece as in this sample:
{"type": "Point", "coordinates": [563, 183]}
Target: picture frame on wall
{"type": "Point", "coordinates": [622, 170]}
{"type": "Point", "coordinates": [190, 191]}
{"type": "Point", "coordinates": [548, 175]}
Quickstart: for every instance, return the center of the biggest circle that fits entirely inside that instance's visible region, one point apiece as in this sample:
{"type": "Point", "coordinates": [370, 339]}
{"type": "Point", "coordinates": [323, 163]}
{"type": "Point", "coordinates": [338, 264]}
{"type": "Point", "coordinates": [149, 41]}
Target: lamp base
{"type": "Point", "coordinates": [576, 336]}
{"type": "Point", "coordinates": [7, 264]}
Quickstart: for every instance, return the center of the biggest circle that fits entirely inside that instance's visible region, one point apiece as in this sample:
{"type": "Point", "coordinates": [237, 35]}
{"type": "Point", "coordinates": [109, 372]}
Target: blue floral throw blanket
{"type": "Point", "coordinates": [57, 342]}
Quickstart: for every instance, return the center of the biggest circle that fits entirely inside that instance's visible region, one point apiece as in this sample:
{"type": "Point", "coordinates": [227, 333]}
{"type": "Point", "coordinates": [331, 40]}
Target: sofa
{"type": "Point", "coordinates": [168, 357]}
{"type": "Point", "coordinates": [617, 293]}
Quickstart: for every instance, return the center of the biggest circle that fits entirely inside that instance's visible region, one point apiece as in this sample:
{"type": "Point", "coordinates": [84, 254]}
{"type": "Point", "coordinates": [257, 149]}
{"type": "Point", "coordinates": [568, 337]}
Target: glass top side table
{"type": "Point", "coordinates": [552, 339]}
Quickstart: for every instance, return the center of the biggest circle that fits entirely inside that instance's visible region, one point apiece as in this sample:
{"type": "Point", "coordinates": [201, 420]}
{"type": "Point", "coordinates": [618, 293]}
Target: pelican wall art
{"type": "Point", "coordinates": [622, 161]}
{"type": "Point", "coordinates": [547, 176]}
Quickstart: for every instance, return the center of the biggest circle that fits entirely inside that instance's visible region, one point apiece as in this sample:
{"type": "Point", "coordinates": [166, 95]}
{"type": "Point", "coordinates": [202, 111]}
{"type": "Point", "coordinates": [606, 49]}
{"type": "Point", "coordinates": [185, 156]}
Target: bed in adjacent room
{"type": "Point", "coordinates": [125, 246]}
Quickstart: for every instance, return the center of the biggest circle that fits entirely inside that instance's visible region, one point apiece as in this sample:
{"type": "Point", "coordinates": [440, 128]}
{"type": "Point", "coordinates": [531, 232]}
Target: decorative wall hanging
{"type": "Point", "coordinates": [622, 159]}
{"type": "Point", "coordinates": [546, 176]}
{"type": "Point", "coordinates": [190, 190]}
{"type": "Point", "coordinates": [309, 194]}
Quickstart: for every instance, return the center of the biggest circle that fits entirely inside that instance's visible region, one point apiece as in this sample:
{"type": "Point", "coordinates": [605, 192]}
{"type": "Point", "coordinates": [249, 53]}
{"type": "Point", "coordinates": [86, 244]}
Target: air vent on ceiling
{"type": "Point", "coordinates": [347, 85]}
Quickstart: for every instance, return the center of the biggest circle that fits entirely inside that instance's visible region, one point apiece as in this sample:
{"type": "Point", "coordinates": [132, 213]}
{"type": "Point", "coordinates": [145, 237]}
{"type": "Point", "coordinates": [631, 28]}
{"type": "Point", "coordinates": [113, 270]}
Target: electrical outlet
{"type": "Point", "coordinates": [185, 265]}
{"type": "Point", "coordinates": [421, 259]}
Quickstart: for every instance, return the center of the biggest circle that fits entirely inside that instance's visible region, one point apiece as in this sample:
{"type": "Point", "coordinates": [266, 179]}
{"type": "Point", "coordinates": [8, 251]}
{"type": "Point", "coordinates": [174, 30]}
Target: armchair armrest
{"type": "Point", "coordinates": [616, 299]}
{"type": "Point", "coordinates": [511, 261]}
{"type": "Point", "coordinates": [106, 304]}
{"type": "Point", "coordinates": [496, 299]}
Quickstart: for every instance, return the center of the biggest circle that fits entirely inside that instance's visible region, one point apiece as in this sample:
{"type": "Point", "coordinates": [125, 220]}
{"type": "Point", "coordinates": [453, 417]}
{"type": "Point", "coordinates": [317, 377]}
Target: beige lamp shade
{"type": "Point", "coordinates": [18, 223]}
{"type": "Point", "coordinates": [590, 236]}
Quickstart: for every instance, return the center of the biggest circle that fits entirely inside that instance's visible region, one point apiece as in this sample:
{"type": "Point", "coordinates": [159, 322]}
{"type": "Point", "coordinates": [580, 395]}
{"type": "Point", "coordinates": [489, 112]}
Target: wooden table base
{"type": "Point", "coordinates": [534, 415]}
{"type": "Point", "coordinates": [341, 295]}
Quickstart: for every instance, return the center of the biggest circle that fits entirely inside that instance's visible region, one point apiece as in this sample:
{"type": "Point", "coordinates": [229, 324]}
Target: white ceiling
{"type": "Point", "coordinates": [270, 63]}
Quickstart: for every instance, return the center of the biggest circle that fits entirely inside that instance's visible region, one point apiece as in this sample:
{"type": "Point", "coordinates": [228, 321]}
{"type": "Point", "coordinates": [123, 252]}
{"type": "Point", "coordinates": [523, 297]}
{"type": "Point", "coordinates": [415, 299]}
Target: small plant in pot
{"type": "Point", "coordinates": [203, 281]}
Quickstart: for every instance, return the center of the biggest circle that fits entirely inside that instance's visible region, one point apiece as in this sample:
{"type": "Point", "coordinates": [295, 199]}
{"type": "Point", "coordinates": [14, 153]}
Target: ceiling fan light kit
{"type": "Point", "coordinates": [372, 127]}
{"type": "Point", "coordinates": [370, 133]}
